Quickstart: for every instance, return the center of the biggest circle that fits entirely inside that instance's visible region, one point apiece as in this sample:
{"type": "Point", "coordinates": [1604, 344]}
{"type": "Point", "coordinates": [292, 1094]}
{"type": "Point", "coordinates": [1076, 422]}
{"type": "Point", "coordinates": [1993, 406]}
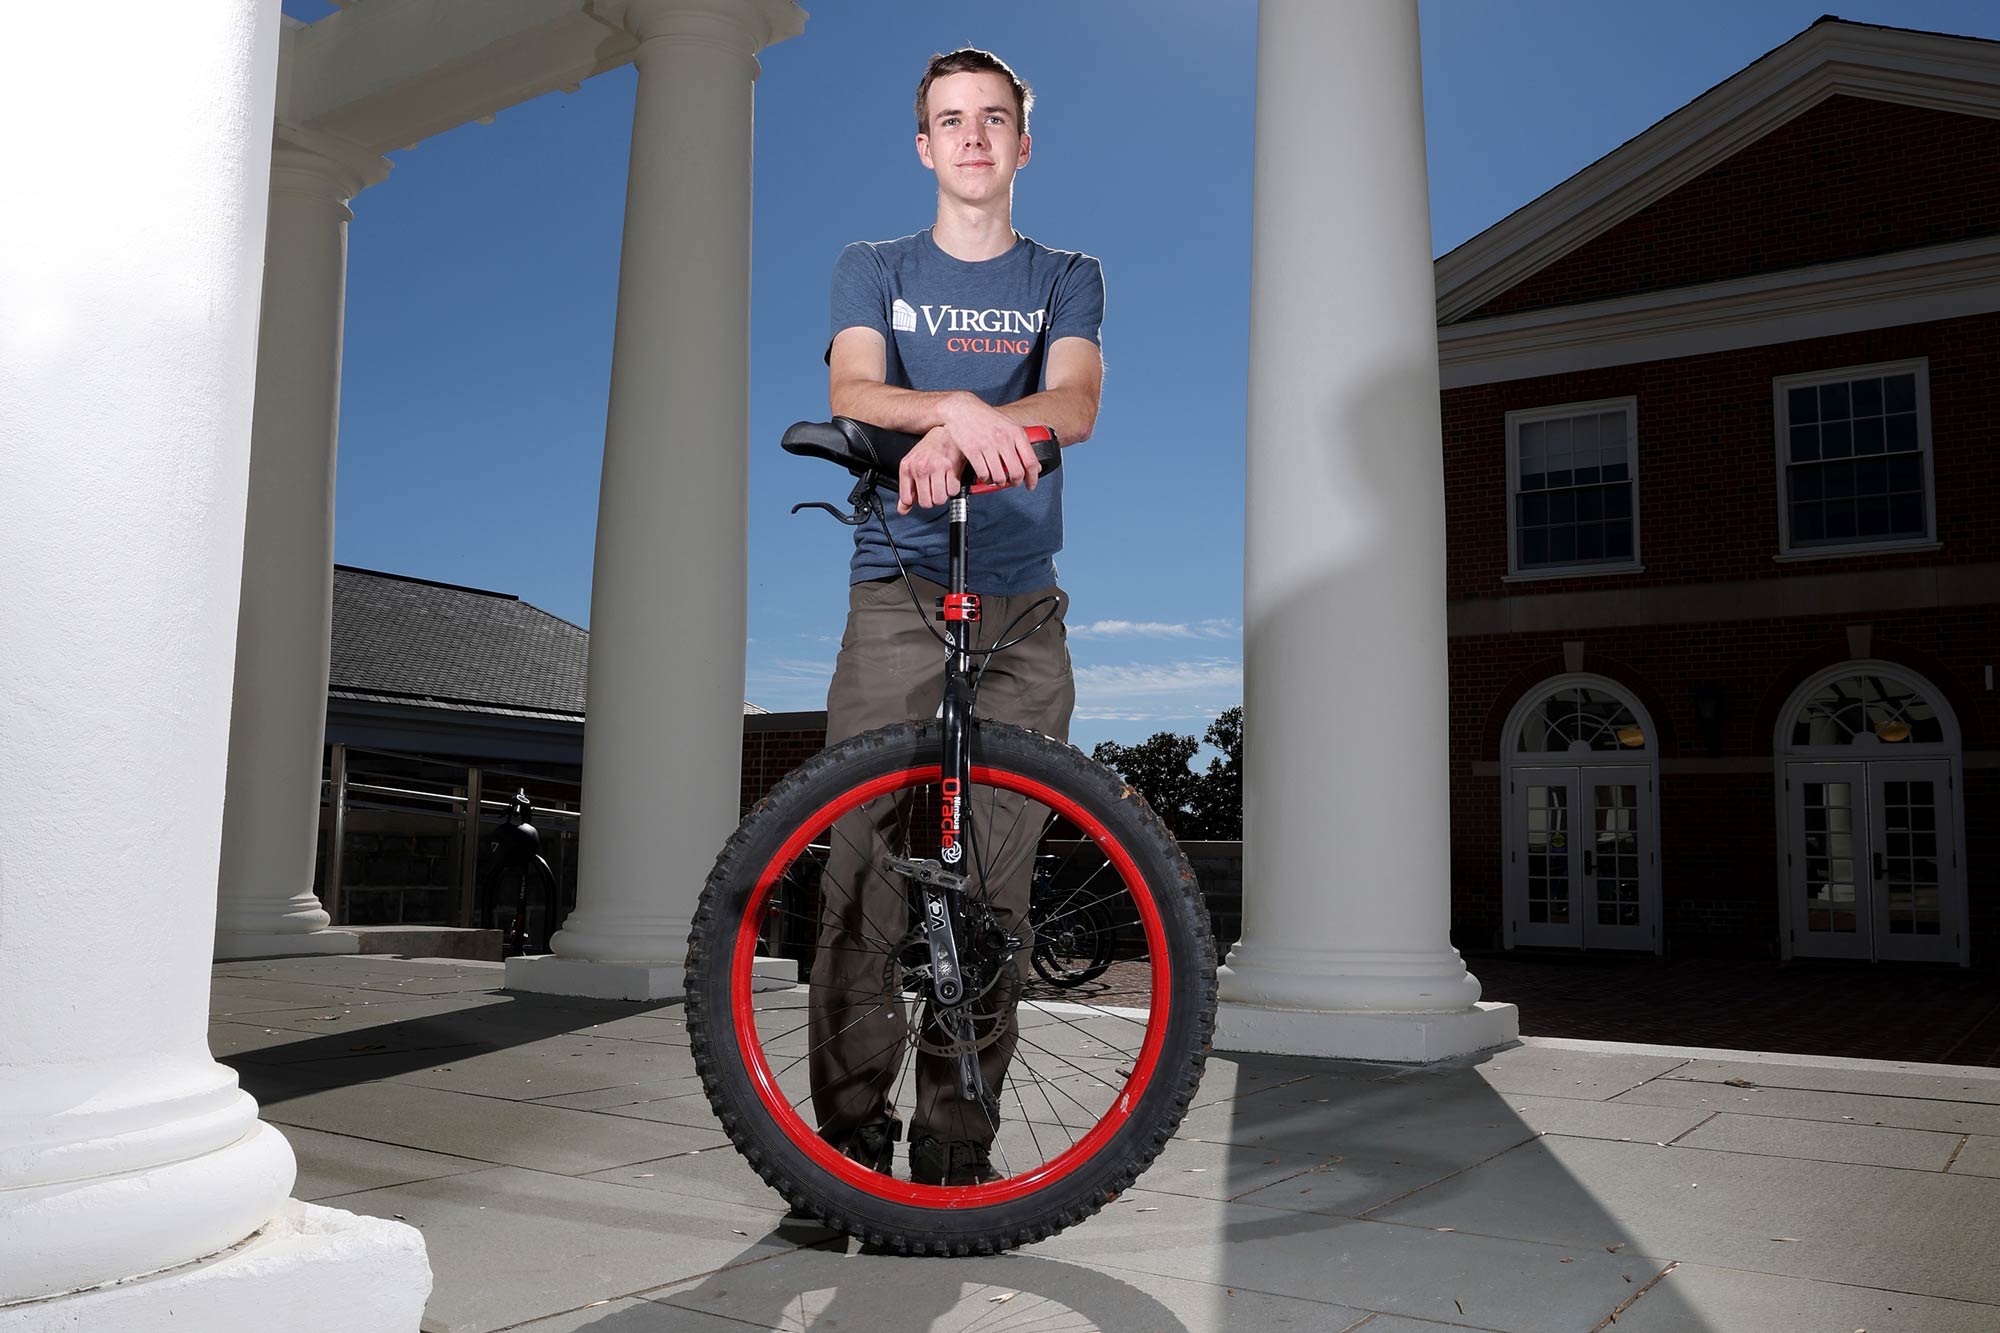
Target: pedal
{"type": "Point", "coordinates": [930, 874]}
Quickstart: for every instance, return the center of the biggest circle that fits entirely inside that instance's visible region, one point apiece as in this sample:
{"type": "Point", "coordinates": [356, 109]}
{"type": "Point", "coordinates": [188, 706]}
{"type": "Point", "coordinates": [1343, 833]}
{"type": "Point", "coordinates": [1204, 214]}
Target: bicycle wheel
{"type": "Point", "coordinates": [1074, 943]}
{"type": "Point", "coordinates": [1090, 1092]}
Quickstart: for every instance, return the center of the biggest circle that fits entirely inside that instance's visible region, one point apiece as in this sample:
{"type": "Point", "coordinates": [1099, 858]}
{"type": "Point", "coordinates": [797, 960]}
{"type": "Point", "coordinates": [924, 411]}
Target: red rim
{"type": "Point", "coordinates": [744, 1010]}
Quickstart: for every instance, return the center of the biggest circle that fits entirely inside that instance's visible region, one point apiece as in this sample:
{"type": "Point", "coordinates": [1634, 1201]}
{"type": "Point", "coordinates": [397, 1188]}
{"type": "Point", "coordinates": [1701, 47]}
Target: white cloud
{"type": "Point", "coordinates": [1155, 629]}
{"type": "Point", "coordinates": [1188, 690]}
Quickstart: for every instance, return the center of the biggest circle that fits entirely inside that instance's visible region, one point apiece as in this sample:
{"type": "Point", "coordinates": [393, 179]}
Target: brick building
{"type": "Point", "coordinates": [1724, 573]}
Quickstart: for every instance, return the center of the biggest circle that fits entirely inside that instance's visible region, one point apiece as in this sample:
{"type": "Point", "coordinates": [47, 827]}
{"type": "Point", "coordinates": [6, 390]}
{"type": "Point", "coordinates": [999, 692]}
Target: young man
{"type": "Point", "coordinates": [962, 334]}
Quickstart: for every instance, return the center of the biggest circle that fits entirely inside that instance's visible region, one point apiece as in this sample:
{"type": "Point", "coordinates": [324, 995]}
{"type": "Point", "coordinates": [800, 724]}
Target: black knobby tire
{"type": "Point", "coordinates": [1156, 1040]}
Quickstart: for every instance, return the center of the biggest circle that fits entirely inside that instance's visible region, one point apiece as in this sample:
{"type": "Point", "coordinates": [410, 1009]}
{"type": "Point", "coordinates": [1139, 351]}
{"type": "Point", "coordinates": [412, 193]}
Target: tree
{"type": "Point", "coordinates": [1192, 805]}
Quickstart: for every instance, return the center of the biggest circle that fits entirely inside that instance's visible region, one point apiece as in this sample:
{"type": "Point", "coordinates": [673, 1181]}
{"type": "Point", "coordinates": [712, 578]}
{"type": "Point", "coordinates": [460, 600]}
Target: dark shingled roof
{"type": "Point", "coordinates": [437, 643]}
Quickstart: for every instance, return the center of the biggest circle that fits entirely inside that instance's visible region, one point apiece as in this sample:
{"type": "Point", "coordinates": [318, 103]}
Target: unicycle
{"type": "Point", "coordinates": [1061, 1103]}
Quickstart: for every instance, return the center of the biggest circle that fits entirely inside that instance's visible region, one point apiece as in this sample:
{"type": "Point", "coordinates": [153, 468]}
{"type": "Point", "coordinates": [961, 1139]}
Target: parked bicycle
{"type": "Point", "coordinates": [1092, 1092]}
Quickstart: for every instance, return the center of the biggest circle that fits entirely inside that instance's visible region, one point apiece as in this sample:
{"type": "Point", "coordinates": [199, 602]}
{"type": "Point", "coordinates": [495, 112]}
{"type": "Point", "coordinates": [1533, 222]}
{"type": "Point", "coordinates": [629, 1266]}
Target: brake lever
{"type": "Point", "coordinates": [862, 498]}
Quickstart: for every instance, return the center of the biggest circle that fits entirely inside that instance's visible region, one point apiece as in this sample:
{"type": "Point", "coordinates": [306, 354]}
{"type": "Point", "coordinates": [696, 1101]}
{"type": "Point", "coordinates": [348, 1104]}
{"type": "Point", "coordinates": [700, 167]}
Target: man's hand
{"type": "Point", "coordinates": [929, 474]}
{"type": "Point", "coordinates": [997, 448]}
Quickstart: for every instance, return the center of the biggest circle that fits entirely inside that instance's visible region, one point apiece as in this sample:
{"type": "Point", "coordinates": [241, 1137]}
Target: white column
{"type": "Point", "coordinates": [1346, 876]}
{"type": "Point", "coordinates": [663, 746]}
{"type": "Point", "coordinates": [277, 731]}
{"type": "Point", "coordinates": [128, 326]}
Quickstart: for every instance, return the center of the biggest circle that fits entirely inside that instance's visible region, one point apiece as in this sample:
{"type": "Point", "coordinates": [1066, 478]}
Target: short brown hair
{"type": "Point", "coordinates": [972, 60]}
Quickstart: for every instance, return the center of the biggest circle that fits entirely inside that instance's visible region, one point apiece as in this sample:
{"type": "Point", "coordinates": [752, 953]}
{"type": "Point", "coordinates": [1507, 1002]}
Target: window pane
{"type": "Point", "coordinates": [1618, 502]}
{"type": "Point", "coordinates": [1562, 507]}
{"type": "Point", "coordinates": [1590, 542]}
{"type": "Point", "coordinates": [1833, 401]}
{"type": "Point", "coordinates": [1535, 546]}
{"type": "Point", "coordinates": [1871, 476]}
{"type": "Point", "coordinates": [1867, 398]}
{"type": "Point", "coordinates": [1872, 514]}
{"type": "Point", "coordinates": [1589, 504]}
{"type": "Point", "coordinates": [1558, 438]}
{"type": "Point", "coordinates": [1836, 439]}
{"type": "Point", "coordinates": [1807, 482]}
{"type": "Point", "coordinates": [1808, 524]}
{"type": "Point", "coordinates": [1531, 447]}
{"type": "Point", "coordinates": [1868, 436]}
{"type": "Point", "coordinates": [1802, 404]}
{"type": "Point", "coordinates": [1840, 521]}
{"type": "Point", "coordinates": [1805, 443]}
{"type": "Point", "coordinates": [1618, 539]}
{"type": "Point", "coordinates": [1899, 393]}
{"type": "Point", "coordinates": [1839, 480]}
{"type": "Point", "coordinates": [1906, 515]}
{"type": "Point", "coordinates": [1562, 545]}
{"type": "Point", "coordinates": [1615, 470]}
{"type": "Point", "coordinates": [1901, 431]}
{"type": "Point", "coordinates": [1534, 510]}
{"type": "Point", "coordinates": [1906, 472]}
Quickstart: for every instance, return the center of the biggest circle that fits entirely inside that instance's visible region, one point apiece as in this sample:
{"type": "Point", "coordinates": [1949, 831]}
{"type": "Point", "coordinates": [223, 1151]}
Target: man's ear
{"type": "Point", "coordinates": [1027, 147]}
{"type": "Point", "coordinates": [924, 151]}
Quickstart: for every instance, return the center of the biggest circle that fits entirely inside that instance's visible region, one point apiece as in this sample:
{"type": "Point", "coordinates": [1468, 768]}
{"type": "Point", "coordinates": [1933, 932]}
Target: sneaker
{"type": "Point", "coordinates": [874, 1146]}
{"type": "Point", "coordinates": [935, 1161]}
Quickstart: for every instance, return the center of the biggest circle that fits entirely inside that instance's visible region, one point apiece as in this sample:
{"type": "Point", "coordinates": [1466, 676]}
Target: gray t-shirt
{"type": "Point", "coordinates": [985, 328]}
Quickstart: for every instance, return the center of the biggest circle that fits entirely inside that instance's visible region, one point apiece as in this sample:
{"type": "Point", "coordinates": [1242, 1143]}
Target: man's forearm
{"type": "Point", "coordinates": [911, 410]}
{"type": "Point", "coordinates": [1070, 412]}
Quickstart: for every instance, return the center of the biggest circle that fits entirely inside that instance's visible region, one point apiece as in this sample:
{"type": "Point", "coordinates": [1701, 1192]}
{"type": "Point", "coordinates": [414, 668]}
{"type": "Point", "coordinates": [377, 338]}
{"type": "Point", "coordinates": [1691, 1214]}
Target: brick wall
{"type": "Point", "coordinates": [1707, 457]}
{"type": "Point", "coordinates": [1851, 177]}
{"type": "Point", "coordinates": [773, 745]}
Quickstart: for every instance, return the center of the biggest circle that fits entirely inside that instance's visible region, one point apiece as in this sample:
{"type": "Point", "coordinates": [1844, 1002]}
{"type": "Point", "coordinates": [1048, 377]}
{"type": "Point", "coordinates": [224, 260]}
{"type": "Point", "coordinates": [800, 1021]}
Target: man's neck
{"type": "Point", "coordinates": [973, 233]}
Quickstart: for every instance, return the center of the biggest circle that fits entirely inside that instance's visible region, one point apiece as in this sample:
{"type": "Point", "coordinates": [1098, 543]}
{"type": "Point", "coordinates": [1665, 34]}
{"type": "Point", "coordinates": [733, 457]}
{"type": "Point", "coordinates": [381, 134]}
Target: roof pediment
{"type": "Point", "coordinates": [1830, 59]}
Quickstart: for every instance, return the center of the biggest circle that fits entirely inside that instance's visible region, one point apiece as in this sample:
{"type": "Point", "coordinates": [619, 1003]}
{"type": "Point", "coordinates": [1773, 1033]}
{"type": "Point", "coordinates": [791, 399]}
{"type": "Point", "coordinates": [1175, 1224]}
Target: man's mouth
{"type": "Point", "coordinates": [976, 162]}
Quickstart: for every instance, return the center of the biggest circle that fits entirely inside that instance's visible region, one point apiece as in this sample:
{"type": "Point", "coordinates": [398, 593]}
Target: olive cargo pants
{"type": "Point", "coordinates": [890, 670]}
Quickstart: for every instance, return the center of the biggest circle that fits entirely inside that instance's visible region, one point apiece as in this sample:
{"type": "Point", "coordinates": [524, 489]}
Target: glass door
{"type": "Point", "coordinates": [1545, 858]}
{"type": "Point", "coordinates": [1911, 859]}
{"type": "Point", "coordinates": [1828, 819]}
{"type": "Point", "coordinates": [1618, 859]}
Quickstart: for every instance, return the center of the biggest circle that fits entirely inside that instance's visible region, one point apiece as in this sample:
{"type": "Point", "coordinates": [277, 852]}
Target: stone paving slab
{"type": "Point", "coordinates": [335, 1164]}
{"type": "Point", "coordinates": [1802, 1104]}
{"type": "Point", "coordinates": [1912, 1149]}
{"type": "Point", "coordinates": [1822, 1220]}
{"type": "Point", "coordinates": [829, 1289]}
{"type": "Point", "coordinates": [1489, 1280]}
{"type": "Point", "coordinates": [1697, 1297]}
{"type": "Point", "coordinates": [1604, 1120]}
{"type": "Point", "coordinates": [1979, 1157]}
{"type": "Point", "coordinates": [1534, 1070]}
{"type": "Point", "coordinates": [508, 1245]}
{"type": "Point", "coordinates": [555, 1066]}
{"type": "Point", "coordinates": [489, 1129]}
{"type": "Point", "coordinates": [1972, 1085]}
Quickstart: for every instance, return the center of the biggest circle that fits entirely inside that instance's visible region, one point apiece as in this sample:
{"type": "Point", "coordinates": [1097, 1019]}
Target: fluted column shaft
{"type": "Point", "coordinates": [1346, 902]}
{"type": "Point", "coordinates": [266, 903]}
{"type": "Point", "coordinates": [663, 746]}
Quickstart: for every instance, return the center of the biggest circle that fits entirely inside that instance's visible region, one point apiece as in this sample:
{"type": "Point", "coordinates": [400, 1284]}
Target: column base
{"type": "Point", "coordinates": [552, 974]}
{"type": "Point", "coordinates": [238, 944]}
{"type": "Point", "coordinates": [1358, 1034]}
{"type": "Point", "coordinates": [310, 1270]}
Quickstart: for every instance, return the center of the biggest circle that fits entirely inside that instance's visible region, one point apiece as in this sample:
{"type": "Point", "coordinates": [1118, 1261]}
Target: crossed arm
{"type": "Point", "coordinates": [957, 427]}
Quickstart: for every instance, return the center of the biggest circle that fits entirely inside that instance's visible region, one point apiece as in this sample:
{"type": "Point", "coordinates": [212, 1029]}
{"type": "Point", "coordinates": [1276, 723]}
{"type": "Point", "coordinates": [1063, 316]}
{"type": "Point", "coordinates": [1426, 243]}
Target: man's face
{"type": "Point", "coordinates": [975, 142]}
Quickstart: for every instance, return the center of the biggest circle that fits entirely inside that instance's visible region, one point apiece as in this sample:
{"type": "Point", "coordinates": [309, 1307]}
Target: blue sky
{"type": "Point", "coordinates": [482, 283]}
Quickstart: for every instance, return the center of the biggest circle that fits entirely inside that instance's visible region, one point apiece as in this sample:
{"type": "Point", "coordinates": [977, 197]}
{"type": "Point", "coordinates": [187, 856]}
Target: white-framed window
{"type": "Point", "coordinates": [1854, 459]}
{"type": "Point", "coordinates": [1573, 488]}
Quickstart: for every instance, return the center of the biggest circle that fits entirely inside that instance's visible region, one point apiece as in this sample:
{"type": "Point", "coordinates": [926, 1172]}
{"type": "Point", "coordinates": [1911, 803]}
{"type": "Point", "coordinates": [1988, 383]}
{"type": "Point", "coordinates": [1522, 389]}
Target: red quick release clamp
{"type": "Point", "coordinates": [961, 606]}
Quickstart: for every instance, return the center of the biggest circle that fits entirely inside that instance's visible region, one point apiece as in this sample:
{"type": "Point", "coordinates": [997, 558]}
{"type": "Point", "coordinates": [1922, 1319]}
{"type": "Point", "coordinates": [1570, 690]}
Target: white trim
{"type": "Point", "coordinates": [1835, 552]}
{"type": "Point", "coordinates": [1562, 412]}
{"type": "Point", "coordinates": [1937, 71]}
{"type": "Point", "coordinates": [1823, 300]}
{"type": "Point", "coordinates": [1781, 427]}
{"type": "Point", "coordinates": [1577, 572]}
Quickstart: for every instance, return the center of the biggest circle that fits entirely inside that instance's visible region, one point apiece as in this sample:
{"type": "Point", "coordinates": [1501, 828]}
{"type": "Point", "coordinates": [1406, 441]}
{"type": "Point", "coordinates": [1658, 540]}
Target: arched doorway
{"type": "Point", "coordinates": [1869, 818]}
{"type": "Point", "coordinates": [1580, 779]}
